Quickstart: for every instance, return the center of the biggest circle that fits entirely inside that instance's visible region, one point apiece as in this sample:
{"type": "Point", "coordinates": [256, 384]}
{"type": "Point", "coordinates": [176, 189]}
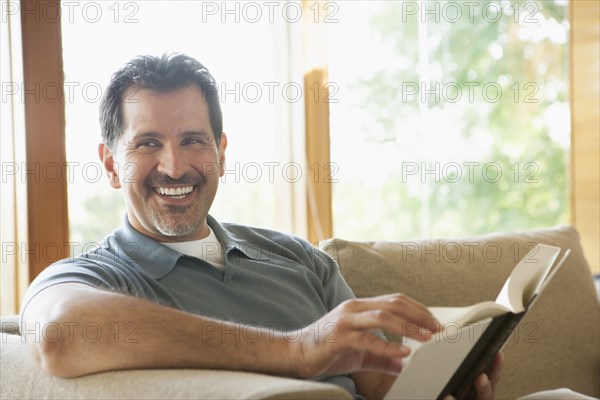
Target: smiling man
{"type": "Point", "coordinates": [172, 265]}
{"type": "Point", "coordinates": [167, 142]}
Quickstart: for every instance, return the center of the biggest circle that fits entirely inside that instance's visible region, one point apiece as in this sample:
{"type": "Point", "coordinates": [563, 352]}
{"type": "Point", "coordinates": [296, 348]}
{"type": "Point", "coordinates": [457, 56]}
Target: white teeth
{"type": "Point", "coordinates": [165, 191]}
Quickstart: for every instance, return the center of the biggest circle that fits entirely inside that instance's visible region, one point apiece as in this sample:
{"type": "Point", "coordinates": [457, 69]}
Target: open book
{"type": "Point", "coordinates": [466, 347]}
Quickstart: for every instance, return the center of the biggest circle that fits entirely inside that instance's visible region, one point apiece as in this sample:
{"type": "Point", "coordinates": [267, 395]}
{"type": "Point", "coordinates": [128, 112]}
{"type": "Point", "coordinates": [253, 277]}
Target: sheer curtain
{"type": "Point", "coordinates": [13, 192]}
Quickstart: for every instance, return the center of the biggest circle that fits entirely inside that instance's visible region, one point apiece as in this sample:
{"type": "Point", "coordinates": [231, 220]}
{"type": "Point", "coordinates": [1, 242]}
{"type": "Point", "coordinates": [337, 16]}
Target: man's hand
{"type": "Point", "coordinates": [485, 384]}
{"type": "Point", "coordinates": [346, 339]}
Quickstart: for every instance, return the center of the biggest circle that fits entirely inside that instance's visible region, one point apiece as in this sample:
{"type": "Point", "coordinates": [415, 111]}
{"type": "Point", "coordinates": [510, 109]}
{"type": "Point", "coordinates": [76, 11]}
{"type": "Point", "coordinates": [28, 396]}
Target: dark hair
{"type": "Point", "coordinates": [163, 74]}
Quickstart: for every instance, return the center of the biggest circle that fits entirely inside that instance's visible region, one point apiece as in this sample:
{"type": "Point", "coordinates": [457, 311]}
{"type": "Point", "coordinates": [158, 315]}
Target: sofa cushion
{"type": "Point", "coordinates": [557, 343]}
{"type": "Point", "coordinates": [21, 379]}
{"type": "Point", "coordinates": [9, 324]}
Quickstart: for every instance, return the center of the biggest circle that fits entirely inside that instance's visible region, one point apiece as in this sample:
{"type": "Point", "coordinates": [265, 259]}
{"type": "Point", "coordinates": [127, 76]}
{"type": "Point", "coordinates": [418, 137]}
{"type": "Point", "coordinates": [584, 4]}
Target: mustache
{"type": "Point", "coordinates": [185, 180]}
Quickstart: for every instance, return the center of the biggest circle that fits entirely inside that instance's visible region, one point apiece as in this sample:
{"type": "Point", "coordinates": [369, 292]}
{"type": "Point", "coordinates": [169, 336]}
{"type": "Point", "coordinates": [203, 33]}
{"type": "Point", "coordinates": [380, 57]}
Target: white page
{"type": "Point", "coordinates": [461, 316]}
{"type": "Point", "coordinates": [426, 374]}
{"type": "Point", "coordinates": [527, 277]}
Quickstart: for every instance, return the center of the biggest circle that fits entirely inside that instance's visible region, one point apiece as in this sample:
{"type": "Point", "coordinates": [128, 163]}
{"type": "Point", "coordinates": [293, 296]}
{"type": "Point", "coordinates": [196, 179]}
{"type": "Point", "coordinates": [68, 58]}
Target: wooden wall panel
{"type": "Point", "coordinates": [45, 135]}
{"type": "Point", "coordinates": [585, 114]}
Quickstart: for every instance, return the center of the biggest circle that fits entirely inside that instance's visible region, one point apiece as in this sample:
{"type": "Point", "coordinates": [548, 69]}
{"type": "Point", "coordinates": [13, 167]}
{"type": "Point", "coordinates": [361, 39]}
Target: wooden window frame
{"type": "Point", "coordinates": [585, 126]}
{"type": "Point", "coordinates": [47, 209]}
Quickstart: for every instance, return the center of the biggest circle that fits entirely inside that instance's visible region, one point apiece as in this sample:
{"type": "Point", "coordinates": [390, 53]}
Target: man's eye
{"type": "Point", "coordinates": [147, 144]}
{"type": "Point", "coordinates": [189, 141]}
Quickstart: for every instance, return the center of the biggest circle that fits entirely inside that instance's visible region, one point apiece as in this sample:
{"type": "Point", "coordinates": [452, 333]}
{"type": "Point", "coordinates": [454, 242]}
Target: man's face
{"type": "Point", "coordinates": [167, 162]}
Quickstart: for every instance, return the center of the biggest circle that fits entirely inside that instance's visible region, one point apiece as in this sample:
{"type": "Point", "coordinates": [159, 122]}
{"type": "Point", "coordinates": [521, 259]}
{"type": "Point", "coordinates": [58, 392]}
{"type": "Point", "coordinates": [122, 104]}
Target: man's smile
{"type": "Point", "coordinates": [174, 192]}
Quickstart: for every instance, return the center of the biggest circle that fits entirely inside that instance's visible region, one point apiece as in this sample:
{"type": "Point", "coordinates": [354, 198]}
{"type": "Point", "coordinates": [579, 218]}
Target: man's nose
{"type": "Point", "coordinates": [172, 162]}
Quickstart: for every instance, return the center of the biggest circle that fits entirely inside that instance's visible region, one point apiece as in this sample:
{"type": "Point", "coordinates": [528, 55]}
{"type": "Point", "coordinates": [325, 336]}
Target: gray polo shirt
{"type": "Point", "coordinates": [270, 279]}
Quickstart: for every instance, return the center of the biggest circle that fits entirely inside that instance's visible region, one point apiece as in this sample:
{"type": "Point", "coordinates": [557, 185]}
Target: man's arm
{"type": "Point", "coordinates": [102, 331]}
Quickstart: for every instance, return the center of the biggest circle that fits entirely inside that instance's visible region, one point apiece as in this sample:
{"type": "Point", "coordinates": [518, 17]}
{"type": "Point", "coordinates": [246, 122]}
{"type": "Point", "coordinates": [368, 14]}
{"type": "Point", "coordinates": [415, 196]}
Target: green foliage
{"type": "Point", "coordinates": [527, 60]}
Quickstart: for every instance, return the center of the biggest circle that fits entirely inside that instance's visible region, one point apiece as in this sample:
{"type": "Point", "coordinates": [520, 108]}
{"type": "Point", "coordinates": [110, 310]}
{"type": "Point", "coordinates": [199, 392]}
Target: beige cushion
{"type": "Point", "coordinates": [9, 324]}
{"type": "Point", "coordinates": [20, 379]}
{"type": "Point", "coordinates": [556, 345]}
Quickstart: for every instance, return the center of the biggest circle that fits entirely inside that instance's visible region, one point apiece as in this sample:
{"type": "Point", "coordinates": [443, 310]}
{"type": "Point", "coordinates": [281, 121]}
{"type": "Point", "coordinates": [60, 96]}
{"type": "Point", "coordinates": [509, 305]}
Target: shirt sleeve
{"type": "Point", "coordinates": [336, 288]}
{"type": "Point", "coordinates": [334, 285]}
{"type": "Point", "coordinates": [77, 270]}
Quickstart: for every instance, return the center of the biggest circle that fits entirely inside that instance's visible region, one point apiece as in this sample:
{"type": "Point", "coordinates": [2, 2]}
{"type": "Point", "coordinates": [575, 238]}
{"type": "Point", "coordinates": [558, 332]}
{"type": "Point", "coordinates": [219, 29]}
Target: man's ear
{"type": "Point", "coordinates": [222, 147]}
{"type": "Point", "coordinates": [108, 161]}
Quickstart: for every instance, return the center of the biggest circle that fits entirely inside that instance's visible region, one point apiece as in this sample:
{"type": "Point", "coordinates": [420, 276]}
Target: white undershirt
{"type": "Point", "coordinates": [208, 249]}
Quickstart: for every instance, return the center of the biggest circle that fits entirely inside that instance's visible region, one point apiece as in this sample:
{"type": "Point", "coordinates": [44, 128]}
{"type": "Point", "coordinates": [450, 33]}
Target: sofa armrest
{"type": "Point", "coordinates": [21, 379]}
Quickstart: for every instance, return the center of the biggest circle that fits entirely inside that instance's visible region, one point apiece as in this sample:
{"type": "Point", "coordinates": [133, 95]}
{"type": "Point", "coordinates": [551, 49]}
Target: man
{"type": "Point", "coordinates": [163, 146]}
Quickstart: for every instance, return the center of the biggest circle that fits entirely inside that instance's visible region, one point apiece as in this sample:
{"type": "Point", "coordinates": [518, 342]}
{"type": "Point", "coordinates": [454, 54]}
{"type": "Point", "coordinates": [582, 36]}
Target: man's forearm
{"type": "Point", "coordinates": [131, 333]}
{"type": "Point", "coordinates": [100, 331]}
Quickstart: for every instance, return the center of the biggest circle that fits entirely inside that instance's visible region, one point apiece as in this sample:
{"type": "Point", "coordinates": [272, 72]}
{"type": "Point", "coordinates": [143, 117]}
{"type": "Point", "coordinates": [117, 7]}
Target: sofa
{"type": "Point", "coordinates": [557, 344]}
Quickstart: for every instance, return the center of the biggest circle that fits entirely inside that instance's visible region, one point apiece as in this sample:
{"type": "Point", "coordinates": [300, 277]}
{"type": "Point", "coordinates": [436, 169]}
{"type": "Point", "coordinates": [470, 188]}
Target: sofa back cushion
{"type": "Point", "coordinates": [556, 344]}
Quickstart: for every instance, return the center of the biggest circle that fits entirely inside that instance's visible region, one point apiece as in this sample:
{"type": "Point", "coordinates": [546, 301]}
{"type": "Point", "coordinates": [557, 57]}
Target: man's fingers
{"type": "Point", "coordinates": [393, 300]}
{"type": "Point", "coordinates": [383, 363]}
{"type": "Point", "coordinates": [369, 343]}
{"type": "Point", "coordinates": [485, 384]}
{"type": "Point", "coordinates": [409, 310]}
{"type": "Point", "coordinates": [385, 321]}
{"type": "Point", "coordinates": [484, 388]}
{"type": "Point", "coordinates": [496, 369]}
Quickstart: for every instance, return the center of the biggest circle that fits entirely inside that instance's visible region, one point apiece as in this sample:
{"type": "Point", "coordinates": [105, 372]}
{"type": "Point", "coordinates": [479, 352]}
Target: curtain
{"type": "Point", "coordinates": [14, 276]}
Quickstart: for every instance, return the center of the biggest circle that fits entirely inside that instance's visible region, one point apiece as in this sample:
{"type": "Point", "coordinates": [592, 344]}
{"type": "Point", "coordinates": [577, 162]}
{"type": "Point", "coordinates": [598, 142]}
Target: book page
{"type": "Point", "coordinates": [462, 316]}
{"type": "Point", "coordinates": [527, 277]}
{"type": "Point", "coordinates": [434, 363]}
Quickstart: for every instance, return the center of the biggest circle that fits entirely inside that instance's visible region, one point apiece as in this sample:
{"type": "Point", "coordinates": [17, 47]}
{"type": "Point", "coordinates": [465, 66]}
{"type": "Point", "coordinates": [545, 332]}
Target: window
{"type": "Point", "coordinates": [259, 95]}
{"type": "Point", "coordinates": [451, 118]}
